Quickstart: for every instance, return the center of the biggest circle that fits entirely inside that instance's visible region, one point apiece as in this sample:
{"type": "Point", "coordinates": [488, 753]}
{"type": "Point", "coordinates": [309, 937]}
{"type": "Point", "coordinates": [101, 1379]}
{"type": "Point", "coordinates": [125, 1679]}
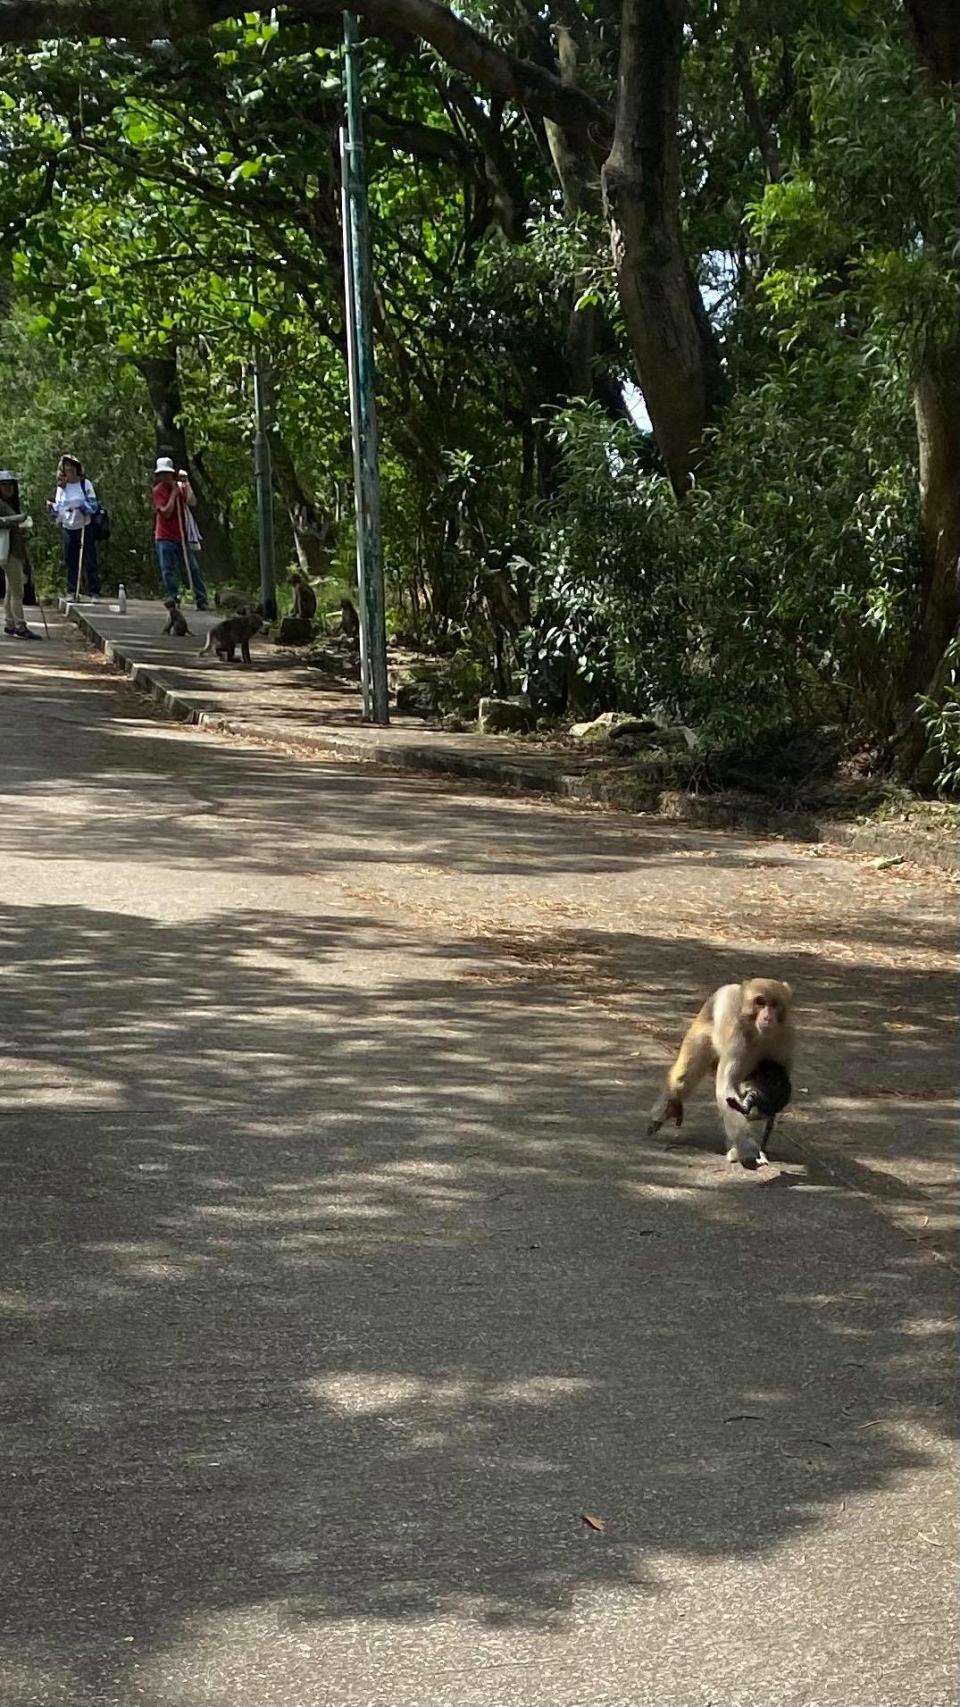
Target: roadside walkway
{"type": "Point", "coordinates": [285, 702]}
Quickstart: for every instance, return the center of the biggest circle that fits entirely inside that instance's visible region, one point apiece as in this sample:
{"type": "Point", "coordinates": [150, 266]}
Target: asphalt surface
{"type": "Point", "coordinates": [338, 1284]}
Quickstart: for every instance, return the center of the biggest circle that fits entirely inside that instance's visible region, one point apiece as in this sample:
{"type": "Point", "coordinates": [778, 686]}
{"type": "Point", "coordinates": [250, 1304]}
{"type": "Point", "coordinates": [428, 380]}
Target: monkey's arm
{"type": "Point", "coordinates": [736, 1062]}
{"type": "Point", "coordinates": [735, 1051]}
{"type": "Point", "coordinates": [765, 1092]}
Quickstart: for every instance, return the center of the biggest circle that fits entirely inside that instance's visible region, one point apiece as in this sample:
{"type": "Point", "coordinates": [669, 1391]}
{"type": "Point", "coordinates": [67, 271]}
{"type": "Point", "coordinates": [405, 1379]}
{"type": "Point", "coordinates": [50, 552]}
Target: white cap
{"type": "Point", "coordinates": [165, 465]}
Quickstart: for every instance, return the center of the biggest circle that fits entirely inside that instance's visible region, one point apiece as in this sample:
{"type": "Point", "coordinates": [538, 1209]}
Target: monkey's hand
{"type": "Point", "coordinates": [750, 1105]}
{"type": "Point", "coordinates": [668, 1107]}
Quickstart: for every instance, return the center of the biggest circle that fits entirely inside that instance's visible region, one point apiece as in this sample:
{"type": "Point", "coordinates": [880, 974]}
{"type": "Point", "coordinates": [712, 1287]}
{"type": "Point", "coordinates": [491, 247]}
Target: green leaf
{"type": "Point", "coordinates": [246, 169]}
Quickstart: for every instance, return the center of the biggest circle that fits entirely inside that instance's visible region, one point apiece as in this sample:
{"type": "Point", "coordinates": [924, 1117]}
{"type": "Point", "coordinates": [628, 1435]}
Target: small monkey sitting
{"type": "Point", "coordinates": [304, 598]}
{"type": "Point", "coordinates": [349, 621]}
{"type": "Point", "coordinates": [234, 631]}
{"type": "Point", "coordinates": [737, 1029]}
{"type": "Point", "coordinates": [176, 621]}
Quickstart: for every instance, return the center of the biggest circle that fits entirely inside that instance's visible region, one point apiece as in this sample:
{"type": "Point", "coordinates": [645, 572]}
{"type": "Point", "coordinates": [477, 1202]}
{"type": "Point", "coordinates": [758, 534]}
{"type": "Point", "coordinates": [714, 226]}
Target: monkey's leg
{"type": "Point", "coordinates": [245, 652]}
{"type": "Point", "coordinates": [742, 1147]}
{"type": "Point", "coordinates": [695, 1059]}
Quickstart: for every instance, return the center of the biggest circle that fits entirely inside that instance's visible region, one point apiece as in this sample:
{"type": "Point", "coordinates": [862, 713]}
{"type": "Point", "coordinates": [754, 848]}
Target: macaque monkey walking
{"type": "Point", "coordinates": [224, 637]}
{"type": "Point", "coordinates": [740, 1027]}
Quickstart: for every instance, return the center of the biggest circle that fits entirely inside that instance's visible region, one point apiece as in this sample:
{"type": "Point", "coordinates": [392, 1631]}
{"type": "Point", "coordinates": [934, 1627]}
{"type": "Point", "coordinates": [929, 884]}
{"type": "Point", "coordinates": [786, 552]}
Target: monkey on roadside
{"type": "Point", "coordinates": [740, 1026]}
{"type": "Point", "coordinates": [349, 620]}
{"type": "Point", "coordinates": [226, 636]}
{"type": "Point", "coordinates": [304, 598]}
{"type": "Point", "coordinates": [176, 621]}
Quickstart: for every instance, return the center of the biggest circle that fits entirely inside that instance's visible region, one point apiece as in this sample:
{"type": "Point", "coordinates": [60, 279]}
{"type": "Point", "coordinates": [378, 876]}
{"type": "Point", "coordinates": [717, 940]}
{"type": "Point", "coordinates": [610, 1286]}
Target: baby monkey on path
{"type": "Point", "coordinates": [745, 1033]}
{"type": "Point", "coordinates": [234, 631]}
{"type": "Point", "coordinates": [176, 621]}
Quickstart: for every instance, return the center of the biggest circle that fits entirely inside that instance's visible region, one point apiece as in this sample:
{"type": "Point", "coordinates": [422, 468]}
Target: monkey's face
{"type": "Point", "coordinates": [766, 1005]}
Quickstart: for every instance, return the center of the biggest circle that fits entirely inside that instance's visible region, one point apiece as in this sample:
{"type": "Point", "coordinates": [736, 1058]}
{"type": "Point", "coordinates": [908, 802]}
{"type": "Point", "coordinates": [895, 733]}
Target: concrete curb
{"type": "Point", "coordinates": [526, 775]}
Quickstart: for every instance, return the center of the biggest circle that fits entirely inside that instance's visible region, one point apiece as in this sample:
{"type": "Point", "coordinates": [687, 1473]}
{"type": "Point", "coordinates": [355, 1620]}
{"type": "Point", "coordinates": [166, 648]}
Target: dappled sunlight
{"type": "Point", "coordinates": [393, 1394]}
{"type": "Point", "coordinates": [338, 1278]}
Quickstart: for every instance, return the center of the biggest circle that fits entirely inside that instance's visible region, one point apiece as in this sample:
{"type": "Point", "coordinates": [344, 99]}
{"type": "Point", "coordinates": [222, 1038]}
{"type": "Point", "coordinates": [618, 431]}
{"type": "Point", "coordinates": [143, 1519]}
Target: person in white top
{"type": "Point", "coordinates": [73, 506]}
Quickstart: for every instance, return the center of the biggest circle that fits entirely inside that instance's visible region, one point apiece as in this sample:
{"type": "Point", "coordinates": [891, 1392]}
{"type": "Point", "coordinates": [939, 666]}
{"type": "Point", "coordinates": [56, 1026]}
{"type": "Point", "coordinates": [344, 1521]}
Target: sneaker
{"type": "Point", "coordinates": [25, 633]}
{"type": "Point", "coordinates": [9, 628]}
{"type": "Point", "coordinates": [203, 606]}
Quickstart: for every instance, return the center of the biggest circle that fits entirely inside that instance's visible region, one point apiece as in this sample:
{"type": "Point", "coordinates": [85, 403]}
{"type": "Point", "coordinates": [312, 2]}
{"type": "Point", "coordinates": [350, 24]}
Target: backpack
{"type": "Point", "coordinates": [100, 524]}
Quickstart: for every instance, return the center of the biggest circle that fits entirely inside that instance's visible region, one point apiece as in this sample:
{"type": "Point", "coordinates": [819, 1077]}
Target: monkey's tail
{"type": "Point", "coordinates": [208, 643]}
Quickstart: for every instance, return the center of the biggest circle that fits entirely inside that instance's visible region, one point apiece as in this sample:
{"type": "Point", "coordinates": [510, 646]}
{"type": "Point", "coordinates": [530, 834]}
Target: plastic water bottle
{"type": "Point", "coordinates": [122, 599]}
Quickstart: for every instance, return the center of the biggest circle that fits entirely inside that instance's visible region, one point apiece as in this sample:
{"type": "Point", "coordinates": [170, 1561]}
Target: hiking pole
{"type": "Point", "coordinates": [42, 612]}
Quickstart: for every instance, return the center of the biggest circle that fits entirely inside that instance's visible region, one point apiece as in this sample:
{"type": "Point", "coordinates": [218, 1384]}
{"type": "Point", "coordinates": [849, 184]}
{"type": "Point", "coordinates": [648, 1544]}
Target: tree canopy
{"type": "Point", "coordinates": [666, 315]}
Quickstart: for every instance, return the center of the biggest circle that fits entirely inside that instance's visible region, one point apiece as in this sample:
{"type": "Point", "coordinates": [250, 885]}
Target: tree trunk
{"type": "Point", "coordinates": [937, 403]}
{"type": "Point", "coordinates": [678, 362]}
{"type": "Point", "coordinates": [163, 388]}
{"type": "Point", "coordinates": [314, 529]}
{"type": "Point", "coordinates": [577, 177]}
{"type": "Point", "coordinates": [935, 27]}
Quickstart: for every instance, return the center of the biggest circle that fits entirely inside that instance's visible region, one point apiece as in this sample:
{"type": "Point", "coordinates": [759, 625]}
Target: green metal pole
{"type": "Point", "coordinates": [356, 433]}
{"type": "Point", "coordinates": [264, 479]}
{"type": "Point", "coordinates": [363, 391]}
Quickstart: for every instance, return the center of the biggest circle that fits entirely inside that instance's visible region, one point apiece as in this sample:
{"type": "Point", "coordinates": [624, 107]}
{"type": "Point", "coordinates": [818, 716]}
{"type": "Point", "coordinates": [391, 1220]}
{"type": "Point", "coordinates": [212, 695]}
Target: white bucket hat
{"type": "Point", "coordinates": [165, 465]}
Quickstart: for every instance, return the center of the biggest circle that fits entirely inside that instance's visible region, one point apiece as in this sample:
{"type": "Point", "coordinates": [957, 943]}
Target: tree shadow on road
{"type": "Point", "coordinates": [345, 1293]}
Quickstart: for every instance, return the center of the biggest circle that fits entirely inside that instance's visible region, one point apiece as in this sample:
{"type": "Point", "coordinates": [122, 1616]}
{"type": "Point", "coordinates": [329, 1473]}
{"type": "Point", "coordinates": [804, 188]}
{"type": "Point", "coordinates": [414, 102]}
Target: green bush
{"type": "Point", "coordinates": [779, 595]}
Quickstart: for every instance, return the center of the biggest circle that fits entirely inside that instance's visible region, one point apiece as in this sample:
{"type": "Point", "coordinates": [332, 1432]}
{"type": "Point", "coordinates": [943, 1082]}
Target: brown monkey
{"type": "Point", "coordinates": [349, 620]}
{"type": "Point", "coordinates": [740, 1026]}
{"type": "Point", "coordinates": [176, 621]}
{"type": "Point", "coordinates": [226, 636]}
{"type": "Point", "coordinates": [304, 598]}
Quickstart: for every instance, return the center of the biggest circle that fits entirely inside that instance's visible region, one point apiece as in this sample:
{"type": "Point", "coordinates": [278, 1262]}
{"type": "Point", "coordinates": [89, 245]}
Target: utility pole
{"type": "Point", "coordinates": [264, 479]}
{"type": "Point", "coordinates": [358, 294]}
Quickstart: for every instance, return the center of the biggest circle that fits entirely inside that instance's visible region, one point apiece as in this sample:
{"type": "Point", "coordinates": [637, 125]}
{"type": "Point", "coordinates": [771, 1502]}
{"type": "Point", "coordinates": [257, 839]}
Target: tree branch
{"type": "Point", "coordinates": [424, 141]}
{"type": "Point", "coordinates": [762, 134]}
{"type": "Point", "coordinates": [461, 46]}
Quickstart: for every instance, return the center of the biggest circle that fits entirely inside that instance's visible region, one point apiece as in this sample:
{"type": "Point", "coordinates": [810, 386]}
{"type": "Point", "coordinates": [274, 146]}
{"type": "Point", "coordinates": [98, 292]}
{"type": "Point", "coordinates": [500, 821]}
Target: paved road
{"type": "Point", "coordinates": [337, 1286]}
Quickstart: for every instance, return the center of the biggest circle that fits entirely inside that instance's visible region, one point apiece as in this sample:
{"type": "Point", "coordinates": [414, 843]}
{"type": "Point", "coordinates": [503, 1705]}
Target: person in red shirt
{"type": "Point", "coordinates": [175, 533]}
